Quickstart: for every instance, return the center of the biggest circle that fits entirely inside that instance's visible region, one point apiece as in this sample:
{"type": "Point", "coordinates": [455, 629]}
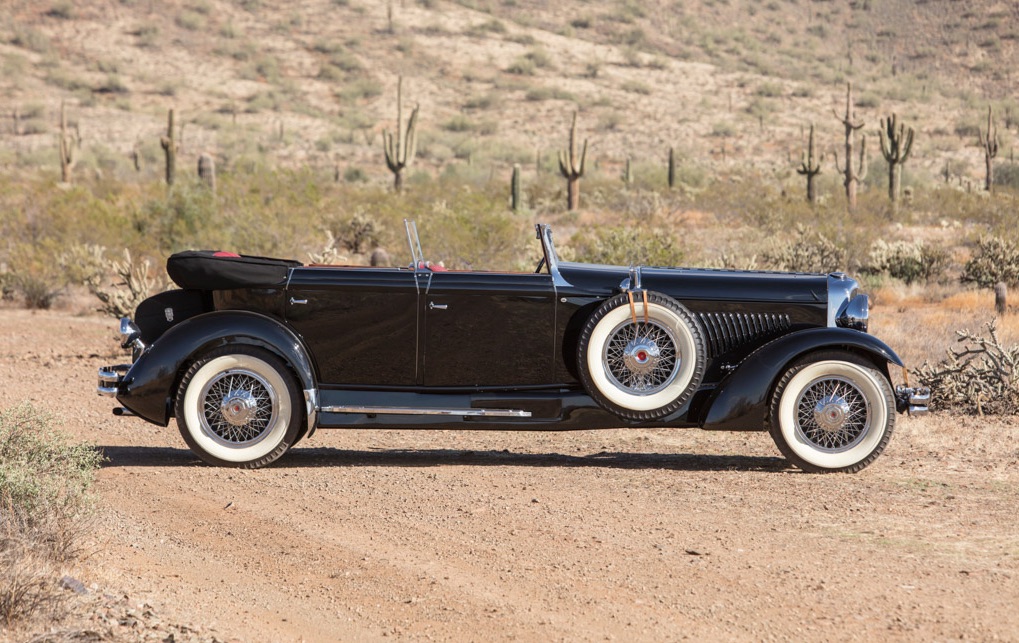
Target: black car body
{"type": "Point", "coordinates": [254, 354]}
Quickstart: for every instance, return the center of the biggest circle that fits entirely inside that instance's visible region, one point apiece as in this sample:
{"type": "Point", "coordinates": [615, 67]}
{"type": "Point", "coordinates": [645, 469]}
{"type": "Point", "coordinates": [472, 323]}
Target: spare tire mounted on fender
{"type": "Point", "coordinates": [641, 364]}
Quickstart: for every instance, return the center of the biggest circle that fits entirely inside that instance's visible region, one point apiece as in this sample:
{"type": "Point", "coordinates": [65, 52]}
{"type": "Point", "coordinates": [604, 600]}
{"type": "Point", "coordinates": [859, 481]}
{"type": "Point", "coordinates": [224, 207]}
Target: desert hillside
{"type": "Point", "coordinates": [730, 84]}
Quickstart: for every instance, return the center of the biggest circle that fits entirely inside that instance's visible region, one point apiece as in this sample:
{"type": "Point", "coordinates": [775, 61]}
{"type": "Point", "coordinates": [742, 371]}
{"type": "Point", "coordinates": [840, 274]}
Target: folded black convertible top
{"type": "Point", "coordinates": [212, 270]}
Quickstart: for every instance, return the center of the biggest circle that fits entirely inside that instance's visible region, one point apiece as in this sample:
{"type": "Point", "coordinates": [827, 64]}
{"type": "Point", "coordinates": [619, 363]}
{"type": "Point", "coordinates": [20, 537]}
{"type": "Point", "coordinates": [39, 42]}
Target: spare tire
{"type": "Point", "coordinates": [643, 370]}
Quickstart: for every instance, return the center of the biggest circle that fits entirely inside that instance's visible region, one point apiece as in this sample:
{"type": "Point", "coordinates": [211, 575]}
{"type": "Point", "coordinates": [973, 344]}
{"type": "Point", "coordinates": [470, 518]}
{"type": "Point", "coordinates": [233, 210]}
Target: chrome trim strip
{"type": "Point", "coordinates": [402, 410]}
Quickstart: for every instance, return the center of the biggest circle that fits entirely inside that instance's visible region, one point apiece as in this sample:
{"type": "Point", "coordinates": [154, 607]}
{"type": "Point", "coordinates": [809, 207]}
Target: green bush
{"type": "Point", "coordinates": [40, 470]}
{"type": "Point", "coordinates": [625, 245]}
{"type": "Point", "coordinates": [45, 495]}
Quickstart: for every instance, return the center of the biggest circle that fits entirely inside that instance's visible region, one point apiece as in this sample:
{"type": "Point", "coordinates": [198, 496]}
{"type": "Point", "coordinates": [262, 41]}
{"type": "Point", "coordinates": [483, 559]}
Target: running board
{"type": "Point", "coordinates": [402, 410]}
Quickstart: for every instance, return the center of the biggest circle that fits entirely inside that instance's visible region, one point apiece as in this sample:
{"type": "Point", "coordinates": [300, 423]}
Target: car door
{"type": "Point", "coordinates": [488, 330]}
{"type": "Point", "coordinates": [360, 324]}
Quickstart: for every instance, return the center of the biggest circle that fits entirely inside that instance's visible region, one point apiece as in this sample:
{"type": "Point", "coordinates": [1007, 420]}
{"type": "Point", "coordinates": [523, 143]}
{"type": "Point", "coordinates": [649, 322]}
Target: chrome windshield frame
{"type": "Point", "coordinates": [417, 257]}
{"type": "Point", "coordinates": [544, 232]}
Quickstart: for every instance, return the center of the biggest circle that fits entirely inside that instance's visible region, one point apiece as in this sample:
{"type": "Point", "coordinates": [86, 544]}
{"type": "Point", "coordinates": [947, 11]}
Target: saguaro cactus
{"type": "Point", "coordinates": [896, 144]}
{"type": "Point", "coordinates": [515, 201]}
{"type": "Point", "coordinates": [571, 166]}
{"type": "Point", "coordinates": [169, 143]}
{"type": "Point", "coordinates": [401, 146]}
{"type": "Point", "coordinates": [672, 168]}
{"type": "Point", "coordinates": [810, 168]}
{"type": "Point", "coordinates": [69, 145]}
{"type": "Point", "coordinates": [989, 141]}
{"type": "Point", "coordinates": [852, 175]}
{"type": "Point", "coordinates": [207, 170]}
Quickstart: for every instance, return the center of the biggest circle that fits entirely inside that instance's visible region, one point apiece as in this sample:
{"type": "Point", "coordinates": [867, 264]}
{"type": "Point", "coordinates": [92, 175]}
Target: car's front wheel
{"type": "Point", "coordinates": [238, 406]}
{"type": "Point", "coordinates": [832, 412]}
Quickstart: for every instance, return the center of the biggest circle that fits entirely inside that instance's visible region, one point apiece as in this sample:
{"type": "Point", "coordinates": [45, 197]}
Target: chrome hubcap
{"type": "Point", "coordinates": [239, 407]}
{"type": "Point", "coordinates": [641, 358]}
{"type": "Point", "coordinates": [832, 414]}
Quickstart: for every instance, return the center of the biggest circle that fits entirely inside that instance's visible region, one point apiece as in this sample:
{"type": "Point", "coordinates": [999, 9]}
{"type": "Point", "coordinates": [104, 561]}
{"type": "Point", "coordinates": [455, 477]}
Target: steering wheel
{"type": "Point", "coordinates": [541, 264]}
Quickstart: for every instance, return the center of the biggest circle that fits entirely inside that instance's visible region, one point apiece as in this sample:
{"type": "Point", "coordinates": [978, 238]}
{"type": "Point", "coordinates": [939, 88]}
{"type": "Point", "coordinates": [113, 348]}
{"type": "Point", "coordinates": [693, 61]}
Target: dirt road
{"type": "Point", "coordinates": [626, 534]}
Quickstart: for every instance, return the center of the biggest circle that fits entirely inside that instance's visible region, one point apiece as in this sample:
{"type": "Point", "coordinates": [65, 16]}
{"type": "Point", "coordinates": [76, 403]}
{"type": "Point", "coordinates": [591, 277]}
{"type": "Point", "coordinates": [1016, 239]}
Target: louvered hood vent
{"type": "Point", "coordinates": [728, 331]}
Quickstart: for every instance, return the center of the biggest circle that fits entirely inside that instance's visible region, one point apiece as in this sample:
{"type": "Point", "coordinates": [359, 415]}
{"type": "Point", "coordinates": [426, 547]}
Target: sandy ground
{"type": "Point", "coordinates": [622, 534]}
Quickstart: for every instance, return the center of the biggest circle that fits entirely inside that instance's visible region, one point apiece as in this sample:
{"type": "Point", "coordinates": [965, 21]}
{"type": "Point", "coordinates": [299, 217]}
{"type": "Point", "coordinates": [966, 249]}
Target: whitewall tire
{"type": "Point", "coordinates": [643, 370]}
{"type": "Point", "coordinates": [832, 412]}
{"type": "Point", "coordinates": [238, 406]}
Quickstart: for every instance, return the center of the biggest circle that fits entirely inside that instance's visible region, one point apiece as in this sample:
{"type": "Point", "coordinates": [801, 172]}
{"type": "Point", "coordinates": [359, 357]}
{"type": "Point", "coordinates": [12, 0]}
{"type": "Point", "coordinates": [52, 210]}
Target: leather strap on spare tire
{"type": "Point", "coordinates": [641, 357]}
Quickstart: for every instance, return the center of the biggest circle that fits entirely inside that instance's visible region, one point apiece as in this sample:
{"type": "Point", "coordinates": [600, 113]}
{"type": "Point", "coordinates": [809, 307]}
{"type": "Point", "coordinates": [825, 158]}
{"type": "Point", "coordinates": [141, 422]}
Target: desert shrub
{"type": "Point", "coordinates": [982, 377]}
{"type": "Point", "coordinates": [626, 245]}
{"type": "Point", "coordinates": [471, 230]}
{"type": "Point", "coordinates": [807, 252]}
{"type": "Point", "coordinates": [45, 494]}
{"type": "Point", "coordinates": [1007, 174]}
{"type": "Point", "coordinates": [360, 233]}
{"type": "Point", "coordinates": [119, 285]}
{"type": "Point", "coordinates": [996, 259]}
{"type": "Point", "coordinates": [907, 261]}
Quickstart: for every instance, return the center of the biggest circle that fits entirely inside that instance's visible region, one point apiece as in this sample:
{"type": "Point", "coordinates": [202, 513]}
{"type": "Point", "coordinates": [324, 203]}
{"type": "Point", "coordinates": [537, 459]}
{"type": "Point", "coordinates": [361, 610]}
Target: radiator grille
{"type": "Point", "coordinates": [728, 331]}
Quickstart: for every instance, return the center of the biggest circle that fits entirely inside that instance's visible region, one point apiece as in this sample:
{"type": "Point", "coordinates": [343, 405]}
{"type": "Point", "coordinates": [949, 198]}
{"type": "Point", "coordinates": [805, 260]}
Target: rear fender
{"type": "Point", "coordinates": [149, 387]}
{"type": "Point", "coordinates": [741, 400]}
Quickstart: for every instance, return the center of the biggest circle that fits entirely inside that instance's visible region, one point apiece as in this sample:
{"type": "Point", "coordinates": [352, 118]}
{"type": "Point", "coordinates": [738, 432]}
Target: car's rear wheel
{"type": "Point", "coordinates": [641, 365]}
{"type": "Point", "coordinates": [238, 406]}
{"type": "Point", "coordinates": [832, 412]}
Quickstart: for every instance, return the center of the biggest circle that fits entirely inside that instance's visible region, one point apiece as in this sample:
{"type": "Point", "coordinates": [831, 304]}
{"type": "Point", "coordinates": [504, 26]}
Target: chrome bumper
{"type": "Point", "coordinates": [110, 378]}
{"type": "Point", "coordinates": [912, 400]}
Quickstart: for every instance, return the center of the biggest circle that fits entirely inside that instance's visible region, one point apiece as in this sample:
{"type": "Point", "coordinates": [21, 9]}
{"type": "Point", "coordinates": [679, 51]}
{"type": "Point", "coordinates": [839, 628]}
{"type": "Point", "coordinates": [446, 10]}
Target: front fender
{"type": "Point", "coordinates": [741, 400]}
{"type": "Point", "coordinates": [149, 387]}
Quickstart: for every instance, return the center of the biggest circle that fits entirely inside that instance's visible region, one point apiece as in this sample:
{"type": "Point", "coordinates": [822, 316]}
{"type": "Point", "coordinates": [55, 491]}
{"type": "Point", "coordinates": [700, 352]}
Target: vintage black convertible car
{"type": "Point", "coordinates": [254, 354]}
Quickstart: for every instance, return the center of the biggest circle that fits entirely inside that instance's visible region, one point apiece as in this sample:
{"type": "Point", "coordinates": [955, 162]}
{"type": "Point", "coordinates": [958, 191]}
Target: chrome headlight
{"type": "Point", "coordinates": [132, 335]}
{"type": "Point", "coordinates": [846, 308]}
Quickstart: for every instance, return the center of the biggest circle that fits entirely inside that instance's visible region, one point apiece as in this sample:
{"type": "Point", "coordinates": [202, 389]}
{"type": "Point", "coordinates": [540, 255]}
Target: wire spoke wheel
{"type": "Point", "coordinates": [237, 407]}
{"type": "Point", "coordinates": [833, 414]}
{"type": "Point", "coordinates": [641, 359]}
{"type": "Point", "coordinates": [832, 411]}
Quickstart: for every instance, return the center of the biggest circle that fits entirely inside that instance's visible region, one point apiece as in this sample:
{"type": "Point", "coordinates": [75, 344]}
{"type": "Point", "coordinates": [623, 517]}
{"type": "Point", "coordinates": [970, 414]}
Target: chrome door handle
{"type": "Point", "coordinates": [434, 306]}
{"type": "Point", "coordinates": [296, 302]}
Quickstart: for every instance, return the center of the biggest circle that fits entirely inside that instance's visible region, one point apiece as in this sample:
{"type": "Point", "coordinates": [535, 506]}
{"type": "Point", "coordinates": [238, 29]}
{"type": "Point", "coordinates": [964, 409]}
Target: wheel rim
{"type": "Point", "coordinates": [238, 408]}
{"type": "Point", "coordinates": [642, 358]}
{"type": "Point", "coordinates": [832, 414]}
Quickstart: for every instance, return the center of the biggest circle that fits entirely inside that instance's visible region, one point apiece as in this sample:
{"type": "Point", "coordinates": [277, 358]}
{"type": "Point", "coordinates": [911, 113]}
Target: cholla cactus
{"type": "Point", "coordinates": [808, 252]}
{"type": "Point", "coordinates": [982, 377]}
{"type": "Point", "coordinates": [996, 260]}
{"type": "Point", "coordinates": [134, 283]}
{"type": "Point", "coordinates": [908, 261]}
